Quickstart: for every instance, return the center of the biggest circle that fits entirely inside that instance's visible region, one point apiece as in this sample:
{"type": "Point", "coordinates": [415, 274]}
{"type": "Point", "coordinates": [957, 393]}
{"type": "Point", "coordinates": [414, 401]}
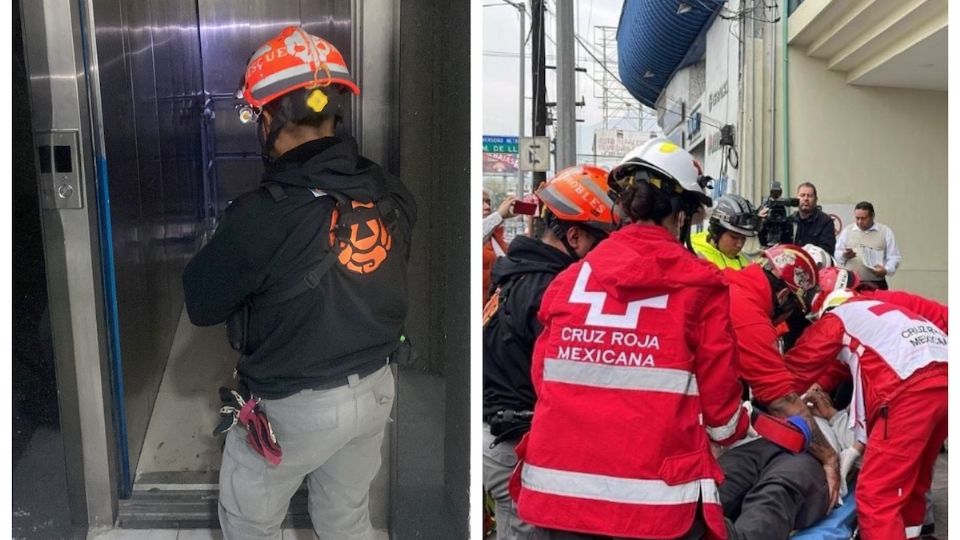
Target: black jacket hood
{"type": "Point", "coordinates": [525, 255]}
{"type": "Point", "coordinates": [330, 164]}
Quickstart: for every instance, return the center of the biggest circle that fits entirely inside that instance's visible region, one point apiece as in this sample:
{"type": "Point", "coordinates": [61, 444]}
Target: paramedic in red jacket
{"type": "Point", "coordinates": [834, 279]}
{"type": "Point", "coordinates": [770, 491]}
{"type": "Point", "coordinates": [898, 361]}
{"type": "Point", "coordinates": [930, 310]}
{"type": "Point", "coordinates": [634, 374]}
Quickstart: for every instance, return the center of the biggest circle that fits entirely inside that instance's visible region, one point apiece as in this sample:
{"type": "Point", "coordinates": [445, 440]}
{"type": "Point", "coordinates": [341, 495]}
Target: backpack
{"type": "Point", "coordinates": [348, 213]}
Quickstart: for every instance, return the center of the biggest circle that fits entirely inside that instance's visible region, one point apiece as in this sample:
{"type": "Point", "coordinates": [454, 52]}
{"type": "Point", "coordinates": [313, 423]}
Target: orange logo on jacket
{"type": "Point", "coordinates": [368, 245]}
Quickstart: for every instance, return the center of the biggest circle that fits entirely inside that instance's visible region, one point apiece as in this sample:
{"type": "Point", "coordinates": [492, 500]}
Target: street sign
{"type": "Point", "coordinates": [534, 154]}
{"type": "Point", "coordinates": [499, 163]}
{"type": "Point", "coordinates": [494, 144]}
{"type": "Point", "coordinates": [617, 142]}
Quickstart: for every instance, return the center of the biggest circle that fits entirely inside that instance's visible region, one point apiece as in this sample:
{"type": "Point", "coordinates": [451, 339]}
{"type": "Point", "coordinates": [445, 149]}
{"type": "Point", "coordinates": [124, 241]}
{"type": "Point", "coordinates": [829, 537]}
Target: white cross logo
{"type": "Point", "coordinates": [595, 299]}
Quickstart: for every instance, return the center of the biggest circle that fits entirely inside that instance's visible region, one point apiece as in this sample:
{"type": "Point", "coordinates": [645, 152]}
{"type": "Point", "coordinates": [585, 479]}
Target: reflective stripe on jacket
{"type": "Point", "coordinates": [635, 375]}
{"type": "Point", "coordinates": [882, 344]}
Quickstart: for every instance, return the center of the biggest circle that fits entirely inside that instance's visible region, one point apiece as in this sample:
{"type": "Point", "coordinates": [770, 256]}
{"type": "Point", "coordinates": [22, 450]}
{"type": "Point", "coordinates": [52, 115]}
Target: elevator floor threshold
{"type": "Point", "coordinates": [179, 500]}
{"type": "Point", "coordinates": [188, 501]}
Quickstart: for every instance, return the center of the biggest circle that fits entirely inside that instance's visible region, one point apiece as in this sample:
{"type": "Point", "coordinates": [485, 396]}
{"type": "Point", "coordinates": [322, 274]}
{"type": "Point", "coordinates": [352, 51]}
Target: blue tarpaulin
{"type": "Point", "coordinates": [839, 525]}
{"type": "Point", "coordinates": [654, 41]}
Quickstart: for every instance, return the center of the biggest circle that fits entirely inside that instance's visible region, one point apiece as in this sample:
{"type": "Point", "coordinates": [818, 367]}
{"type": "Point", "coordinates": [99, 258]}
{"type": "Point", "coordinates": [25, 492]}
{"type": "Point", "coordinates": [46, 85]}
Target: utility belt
{"type": "Point", "coordinates": [508, 425]}
{"type": "Point", "coordinates": [240, 406]}
{"type": "Point", "coordinates": [361, 372]}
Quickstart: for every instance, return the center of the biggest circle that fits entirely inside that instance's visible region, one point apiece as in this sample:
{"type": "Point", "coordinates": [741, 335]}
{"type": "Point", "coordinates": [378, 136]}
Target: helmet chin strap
{"type": "Point", "coordinates": [685, 233]}
{"type": "Point", "coordinates": [561, 233]}
{"type": "Point", "coordinates": [776, 286]}
{"type": "Point", "coordinates": [689, 208]}
{"type": "Point", "coordinates": [267, 142]}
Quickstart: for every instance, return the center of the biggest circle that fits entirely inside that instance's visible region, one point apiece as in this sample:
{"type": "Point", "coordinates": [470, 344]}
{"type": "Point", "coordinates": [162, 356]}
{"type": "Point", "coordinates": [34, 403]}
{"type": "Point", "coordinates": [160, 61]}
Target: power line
{"type": "Point", "coordinates": [703, 117]}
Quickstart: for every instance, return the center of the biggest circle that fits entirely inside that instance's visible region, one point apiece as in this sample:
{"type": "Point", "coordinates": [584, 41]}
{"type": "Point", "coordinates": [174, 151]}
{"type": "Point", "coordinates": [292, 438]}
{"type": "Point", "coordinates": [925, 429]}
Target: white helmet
{"type": "Point", "coordinates": [820, 256]}
{"type": "Point", "coordinates": [834, 299]}
{"type": "Point", "coordinates": [666, 158]}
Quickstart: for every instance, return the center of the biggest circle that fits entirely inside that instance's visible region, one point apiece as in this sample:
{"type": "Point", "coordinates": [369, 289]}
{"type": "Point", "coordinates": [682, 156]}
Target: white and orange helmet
{"type": "Point", "coordinates": [578, 195]}
{"type": "Point", "coordinates": [291, 60]}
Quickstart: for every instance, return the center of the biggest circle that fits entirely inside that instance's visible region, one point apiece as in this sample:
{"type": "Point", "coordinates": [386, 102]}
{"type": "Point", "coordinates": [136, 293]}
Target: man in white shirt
{"type": "Point", "coordinates": [868, 248]}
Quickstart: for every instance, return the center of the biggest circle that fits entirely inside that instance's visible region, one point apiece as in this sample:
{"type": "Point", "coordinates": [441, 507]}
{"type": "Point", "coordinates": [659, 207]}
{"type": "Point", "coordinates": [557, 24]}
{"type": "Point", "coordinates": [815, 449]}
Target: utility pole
{"type": "Point", "coordinates": [538, 70]}
{"type": "Point", "coordinates": [523, 24]}
{"type": "Point", "coordinates": [566, 87]}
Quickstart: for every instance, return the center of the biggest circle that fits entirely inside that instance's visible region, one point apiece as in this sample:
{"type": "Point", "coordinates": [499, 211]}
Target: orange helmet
{"type": "Point", "coordinates": [578, 194]}
{"type": "Point", "coordinates": [291, 60]}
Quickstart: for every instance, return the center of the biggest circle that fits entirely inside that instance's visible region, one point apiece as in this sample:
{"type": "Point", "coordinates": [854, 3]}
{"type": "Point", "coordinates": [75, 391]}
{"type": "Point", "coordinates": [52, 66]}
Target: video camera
{"type": "Point", "coordinates": [776, 224]}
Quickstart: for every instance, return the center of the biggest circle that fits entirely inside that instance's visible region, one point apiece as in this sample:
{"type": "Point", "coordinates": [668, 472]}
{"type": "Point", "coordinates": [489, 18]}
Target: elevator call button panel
{"type": "Point", "coordinates": [58, 165]}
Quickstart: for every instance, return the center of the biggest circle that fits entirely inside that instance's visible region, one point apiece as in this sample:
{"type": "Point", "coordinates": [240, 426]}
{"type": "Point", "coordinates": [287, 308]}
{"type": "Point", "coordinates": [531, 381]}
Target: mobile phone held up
{"type": "Point", "coordinates": [528, 208]}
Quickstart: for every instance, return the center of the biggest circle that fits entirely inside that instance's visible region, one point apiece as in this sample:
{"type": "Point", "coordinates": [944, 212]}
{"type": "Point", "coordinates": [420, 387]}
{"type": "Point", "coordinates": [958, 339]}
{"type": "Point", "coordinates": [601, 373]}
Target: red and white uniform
{"type": "Point", "coordinates": [751, 310]}
{"type": "Point", "coordinates": [635, 375]}
{"type": "Point", "coordinates": [930, 310]}
{"type": "Point", "coordinates": [898, 361]}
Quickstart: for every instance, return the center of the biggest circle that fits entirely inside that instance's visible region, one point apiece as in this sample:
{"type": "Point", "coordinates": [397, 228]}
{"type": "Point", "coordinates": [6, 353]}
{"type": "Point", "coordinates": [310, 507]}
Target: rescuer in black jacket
{"type": "Point", "coordinates": [351, 318]}
{"type": "Point", "coordinates": [578, 214]}
{"type": "Point", "coordinates": [314, 262]}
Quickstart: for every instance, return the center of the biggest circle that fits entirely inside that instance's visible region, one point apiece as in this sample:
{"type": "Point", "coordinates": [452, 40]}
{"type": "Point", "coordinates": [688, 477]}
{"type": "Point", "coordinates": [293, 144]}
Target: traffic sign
{"type": "Point", "coordinates": [534, 154]}
{"type": "Point", "coordinates": [494, 144]}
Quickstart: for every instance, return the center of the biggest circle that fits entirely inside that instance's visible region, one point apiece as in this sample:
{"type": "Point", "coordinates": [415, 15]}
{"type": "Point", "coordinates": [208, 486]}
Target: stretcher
{"type": "Point", "coordinates": [841, 524]}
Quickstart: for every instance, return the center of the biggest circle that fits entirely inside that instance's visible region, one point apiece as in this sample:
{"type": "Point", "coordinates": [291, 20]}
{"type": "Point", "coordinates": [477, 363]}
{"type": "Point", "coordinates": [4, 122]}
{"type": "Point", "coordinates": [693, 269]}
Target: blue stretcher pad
{"type": "Point", "coordinates": [839, 525]}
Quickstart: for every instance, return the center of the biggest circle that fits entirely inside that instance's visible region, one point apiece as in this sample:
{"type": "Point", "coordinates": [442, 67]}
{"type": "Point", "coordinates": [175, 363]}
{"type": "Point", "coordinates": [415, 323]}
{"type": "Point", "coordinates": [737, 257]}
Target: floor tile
{"type": "Point", "coordinates": [307, 534]}
{"type": "Point", "coordinates": [180, 435]}
{"type": "Point", "coordinates": [299, 534]}
{"type": "Point", "coordinates": [200, 359]}
{"type": "Point", "coordinates": [200, 534]}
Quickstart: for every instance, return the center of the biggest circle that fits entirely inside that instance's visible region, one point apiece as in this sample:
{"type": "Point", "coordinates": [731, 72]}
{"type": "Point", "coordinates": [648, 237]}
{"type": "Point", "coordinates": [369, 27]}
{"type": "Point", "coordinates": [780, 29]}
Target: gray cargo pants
{"type": "Point", "coordinates": [498, 464]}
{"type": "Point", "coordinates": [330, 437]}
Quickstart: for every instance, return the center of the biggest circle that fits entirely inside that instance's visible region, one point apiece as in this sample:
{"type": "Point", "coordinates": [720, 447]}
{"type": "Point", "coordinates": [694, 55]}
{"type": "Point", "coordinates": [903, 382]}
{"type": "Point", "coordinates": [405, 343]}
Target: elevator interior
{"type": "Point", "coordinates": [158, 154]}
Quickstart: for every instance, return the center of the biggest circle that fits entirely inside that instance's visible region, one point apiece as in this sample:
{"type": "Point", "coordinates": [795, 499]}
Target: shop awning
{"type": "Point", "coordinates": [655, 38]}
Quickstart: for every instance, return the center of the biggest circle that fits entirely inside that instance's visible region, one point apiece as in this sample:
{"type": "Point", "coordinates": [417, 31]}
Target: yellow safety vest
{"type": "Point", "coordinates": [706, 250]}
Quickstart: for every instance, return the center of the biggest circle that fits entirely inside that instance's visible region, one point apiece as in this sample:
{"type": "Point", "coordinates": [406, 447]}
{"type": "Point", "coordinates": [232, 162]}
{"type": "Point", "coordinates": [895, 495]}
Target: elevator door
{"type": "Point", "coordinates": [176, 155]}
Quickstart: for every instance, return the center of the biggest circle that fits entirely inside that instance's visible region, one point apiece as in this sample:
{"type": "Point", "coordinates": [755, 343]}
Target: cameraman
{"type": "Point", "coordinates": [808, 225]}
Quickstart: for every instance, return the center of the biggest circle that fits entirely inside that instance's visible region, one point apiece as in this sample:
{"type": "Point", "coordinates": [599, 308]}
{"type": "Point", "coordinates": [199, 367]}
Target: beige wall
{"type": "Point", "coordinates": [884, 145]}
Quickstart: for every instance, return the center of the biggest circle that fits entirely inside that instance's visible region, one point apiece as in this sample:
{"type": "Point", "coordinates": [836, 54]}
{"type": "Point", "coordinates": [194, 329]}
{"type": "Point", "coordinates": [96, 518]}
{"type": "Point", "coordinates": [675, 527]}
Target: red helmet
{"type": "Point", "coordinates": [796, 268]}
{"type": "Point", "coordinates": [834, 278]}
{"type": "Point", "coordinates": [793, 265]}
{"type": "Point", "coordinates": [579, 194]}
{"type": "Point", "coordinates": [831, 279]}
{"type": "Point", "coordinates": [291, 60]}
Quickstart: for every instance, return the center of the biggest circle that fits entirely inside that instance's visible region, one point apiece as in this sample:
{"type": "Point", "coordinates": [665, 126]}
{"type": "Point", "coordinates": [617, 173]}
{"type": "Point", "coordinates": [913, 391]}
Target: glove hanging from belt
{"type": "Point", "coordinates": [250, 415]}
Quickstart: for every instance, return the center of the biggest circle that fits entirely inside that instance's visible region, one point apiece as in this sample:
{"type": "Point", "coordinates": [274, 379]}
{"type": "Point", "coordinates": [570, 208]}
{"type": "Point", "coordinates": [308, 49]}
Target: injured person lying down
{"type": "Point", "coordinates": [764, 500]}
